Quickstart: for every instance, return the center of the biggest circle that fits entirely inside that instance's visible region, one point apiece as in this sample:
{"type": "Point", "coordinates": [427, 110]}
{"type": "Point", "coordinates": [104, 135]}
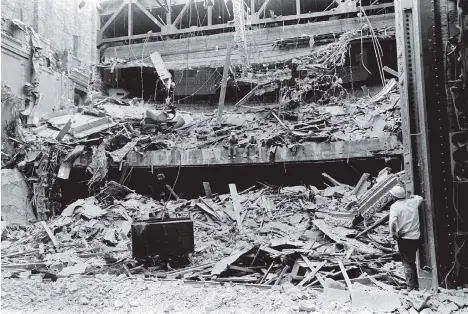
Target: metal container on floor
{"type": "Point", "coordinates": [165, 238]}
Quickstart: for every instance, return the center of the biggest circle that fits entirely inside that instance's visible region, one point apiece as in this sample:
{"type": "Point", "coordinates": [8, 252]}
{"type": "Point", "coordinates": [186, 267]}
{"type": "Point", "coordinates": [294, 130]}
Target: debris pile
{"type": "Point", "coordinates": [257, 236]}
{"type": "Point", "coordinates": [279, 238]}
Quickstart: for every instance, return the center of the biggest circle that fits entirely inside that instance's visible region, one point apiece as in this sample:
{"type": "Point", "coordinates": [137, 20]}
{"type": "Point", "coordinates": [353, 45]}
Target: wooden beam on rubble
{"type": "Point", "coordinates": [222, 94]}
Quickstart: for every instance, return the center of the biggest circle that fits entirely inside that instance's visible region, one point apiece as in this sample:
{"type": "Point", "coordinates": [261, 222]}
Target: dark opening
{"type": "Point", "coordinates": [190, 179]}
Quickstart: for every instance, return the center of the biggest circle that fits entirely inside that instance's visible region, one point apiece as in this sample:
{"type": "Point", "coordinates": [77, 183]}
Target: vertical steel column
{"type": "Point", "coordinates": [130, 21]}
{"type": "Point", "coordinates": [415, 131]}
{"type": "Point", "coordinates": [425, 131]}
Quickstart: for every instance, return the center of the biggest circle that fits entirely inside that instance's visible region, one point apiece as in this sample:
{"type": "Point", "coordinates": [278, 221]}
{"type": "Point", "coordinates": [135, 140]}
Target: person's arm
{"type": "Point", "coordinates": [394, 223]}
{"type": "Point", "coordinates": [418, 198]}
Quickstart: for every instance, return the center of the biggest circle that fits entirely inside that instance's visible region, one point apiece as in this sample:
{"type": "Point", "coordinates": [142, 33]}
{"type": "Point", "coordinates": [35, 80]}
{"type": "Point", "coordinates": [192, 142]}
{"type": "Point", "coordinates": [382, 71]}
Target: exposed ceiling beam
{"type": "Point", "coordinates": [262, 8]}
{"type": "Point", "coordinates": [182, 13]}
{"type": "Point", "coordinates": [148, 14]}
{"type": "Point", "coordinates": [165, 7]}
{"type": "Point", "coordinates": [112, 18]}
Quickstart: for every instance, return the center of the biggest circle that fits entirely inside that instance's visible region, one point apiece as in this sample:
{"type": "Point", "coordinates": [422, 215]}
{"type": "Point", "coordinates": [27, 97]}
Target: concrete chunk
{"type": "Point", "coordinates": [418, 299]}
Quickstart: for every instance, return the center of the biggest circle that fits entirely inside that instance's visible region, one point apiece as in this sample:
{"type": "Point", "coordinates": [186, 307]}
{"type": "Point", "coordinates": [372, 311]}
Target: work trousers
{"type": "Point", "coordinates": [408, 250]}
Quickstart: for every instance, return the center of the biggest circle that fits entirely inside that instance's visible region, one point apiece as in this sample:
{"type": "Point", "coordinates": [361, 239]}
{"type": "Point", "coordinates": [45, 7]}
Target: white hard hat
{"type": "Point", "coordinates": [398, 192]}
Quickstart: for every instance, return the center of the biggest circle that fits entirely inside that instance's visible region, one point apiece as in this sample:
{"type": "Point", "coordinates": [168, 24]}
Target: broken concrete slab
{"type": "Point", "coordinates": [447, 308]}
{"type": "Point", "coordinates": [374, 299]}
{"type": "Point", "coordinates": [338, 234]}
{"type": "Point", "coordinates": [223, 264]}
{"type": "Point", "coordinates": [338, 295]}
{"type": "Point", "coordinates": [460, 301]}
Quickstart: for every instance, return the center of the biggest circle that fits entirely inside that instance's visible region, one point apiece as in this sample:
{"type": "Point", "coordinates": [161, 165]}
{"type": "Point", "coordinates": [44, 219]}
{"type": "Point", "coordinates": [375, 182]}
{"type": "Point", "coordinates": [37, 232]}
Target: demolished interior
{"type": "Point", "coordinates": [282, 166]}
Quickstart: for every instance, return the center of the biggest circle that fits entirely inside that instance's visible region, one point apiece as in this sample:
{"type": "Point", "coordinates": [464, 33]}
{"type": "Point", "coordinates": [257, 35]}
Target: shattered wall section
{"type": "Point", "coordinates": [62, 22]}
{"type": "Point", "coordinates": [16, 205]}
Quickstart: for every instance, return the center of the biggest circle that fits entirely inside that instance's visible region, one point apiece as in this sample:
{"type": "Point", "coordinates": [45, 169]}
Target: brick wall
{"type": "Point", "coordinates": [59, 21]}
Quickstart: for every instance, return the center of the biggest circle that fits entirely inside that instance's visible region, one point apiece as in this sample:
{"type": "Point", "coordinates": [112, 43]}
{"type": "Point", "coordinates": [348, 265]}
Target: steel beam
{"type": "Point", "coordinates": [112, 18]}
{"type": "Point", "coordinates": [148, 14]}
{"type": "Point", "coordinates": [425, 133]}
{"type": "Point", "coordinates": [175, 31]}
{"type": "Point", "coordinates": [182, 13]}
{"type": "Point", "coordinates": [130, 21]}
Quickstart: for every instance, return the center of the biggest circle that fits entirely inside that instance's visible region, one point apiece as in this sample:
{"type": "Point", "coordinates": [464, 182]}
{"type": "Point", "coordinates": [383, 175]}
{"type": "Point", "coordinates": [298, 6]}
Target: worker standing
{"type": "Point", "coordinates": [404, 227]}
{"type": "Point", "coordinates": [233, 141]}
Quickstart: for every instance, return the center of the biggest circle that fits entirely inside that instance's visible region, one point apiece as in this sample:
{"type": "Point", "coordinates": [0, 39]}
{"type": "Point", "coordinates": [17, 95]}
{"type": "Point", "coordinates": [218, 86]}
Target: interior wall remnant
{"type": "Point", "coordinates": [16, 203]}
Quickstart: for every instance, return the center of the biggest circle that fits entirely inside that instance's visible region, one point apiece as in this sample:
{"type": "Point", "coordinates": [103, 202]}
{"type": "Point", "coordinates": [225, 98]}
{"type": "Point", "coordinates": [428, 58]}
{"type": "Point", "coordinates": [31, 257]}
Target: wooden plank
{"type": "Point", "coordinates": [172, 192]}
{"type": "Point", "coordinates": [207, 188]}
{"type": "Point", "coordinates": [312, 274]}
{"type": "Point", "coordinates": [246, 97]}
{"type": "Point", "coordinates": [345, 275]}
{"type": "Point", "coordinates": [281, 122]}
{"type": "Point", "coordinates": [390, 71]}
{"type": "Point", "coordinates": [266, 273]}
{"type": "Point", "coordinates": [187, 270]}
{"type": "Point", "coordinates": [373, 226]}
{"type": "Point", "coordinates": [236, 204]}
{"type": "Point", "coordinates": [112, 18]}
{"type": "Point", "coordinates": [283, 272]}
{"type": "Point", "coordinates": [222, 94]}
{"type": "Point", "coordinates": [238, 279]}
{"type": "Point", "coordinates": [50, 234]}
{"type": "Point", "coordinates": [357, 189]}
{"type": "Point", "coordinates": [244, 269]}
{"type": "Point", "coordinates": [149, 15]}
{"type": "Point", "coordinates": [24, 265]}
{"type": "Point", "coordinates": [182, 12]}
{"type": "Point", "coordinates": [332, 180]}
{"type": "Point", "coordinates": [64, 131]}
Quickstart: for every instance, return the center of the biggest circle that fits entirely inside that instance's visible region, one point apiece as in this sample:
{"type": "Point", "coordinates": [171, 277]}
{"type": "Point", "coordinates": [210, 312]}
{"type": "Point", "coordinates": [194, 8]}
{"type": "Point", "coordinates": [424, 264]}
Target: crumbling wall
{"type": "Point", "coordinates": [16, 204]}
{"type": "Point", "coordinates": [59, 21]}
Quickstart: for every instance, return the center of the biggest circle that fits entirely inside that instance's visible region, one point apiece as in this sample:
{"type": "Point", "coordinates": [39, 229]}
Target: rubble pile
{"type": "Point", "coordinates": [244, 234]}
{"type": "Point", "coordinates": [287, 238]}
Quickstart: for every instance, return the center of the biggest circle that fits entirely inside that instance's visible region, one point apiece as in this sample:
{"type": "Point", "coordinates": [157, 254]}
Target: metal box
{"type": "Point", "coordinates": [169, 237]}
